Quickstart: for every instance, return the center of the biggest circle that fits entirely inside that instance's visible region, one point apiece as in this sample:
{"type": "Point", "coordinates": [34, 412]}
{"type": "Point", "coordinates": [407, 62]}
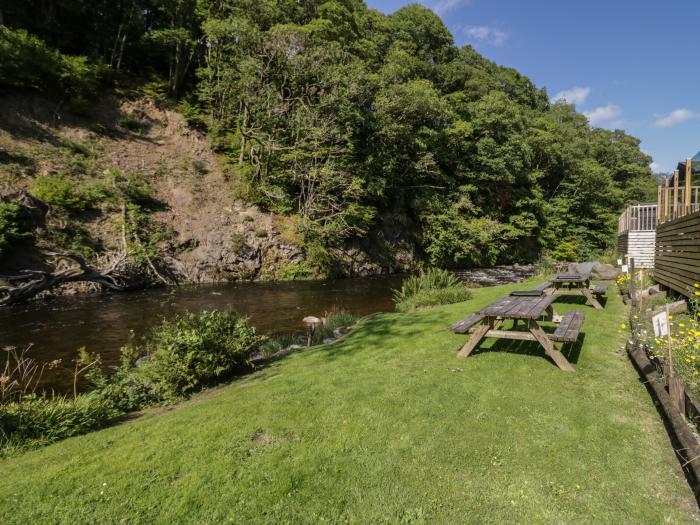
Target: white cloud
{"type": "Point", "coordinates": [443, 6]}
{"type": "Point", "coordinates": [486, 34]}
{"type": "Point", "coordinates": [656, 167]}
{"type": "Point", "coordinates": [605, 115]}
{"type": "Point", "coordinates": [577, 95]}
{"type": "Point", "coordinates": [674, 118]}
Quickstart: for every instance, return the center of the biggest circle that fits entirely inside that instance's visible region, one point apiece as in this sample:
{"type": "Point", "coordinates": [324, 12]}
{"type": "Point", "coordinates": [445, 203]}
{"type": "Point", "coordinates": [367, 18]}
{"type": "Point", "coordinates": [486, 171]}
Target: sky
{"type": "Point", "coordinates": [626, 64]}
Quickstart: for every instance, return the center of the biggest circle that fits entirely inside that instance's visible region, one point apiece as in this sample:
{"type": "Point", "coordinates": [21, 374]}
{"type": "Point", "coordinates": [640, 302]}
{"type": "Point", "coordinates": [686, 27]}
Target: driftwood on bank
{"type": "Point", "coordinates": [29, 283]}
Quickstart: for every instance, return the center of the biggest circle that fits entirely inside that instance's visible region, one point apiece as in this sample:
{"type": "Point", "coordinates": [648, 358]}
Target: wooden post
{"type": "Point", "coordinates": [633, 293]}
{"type": "Point", "coordinates": [641, 288]}
{"type": "Point", "coordinates": [688, 177]}
{"type": "Point", "coordinates": [676, 176]}
{"type": "Point", "coordinates": [675, 385]}
{"type": "Point", "coordinates": [667, 199]}
{"type": "Point", "coordinates": [658, 205]}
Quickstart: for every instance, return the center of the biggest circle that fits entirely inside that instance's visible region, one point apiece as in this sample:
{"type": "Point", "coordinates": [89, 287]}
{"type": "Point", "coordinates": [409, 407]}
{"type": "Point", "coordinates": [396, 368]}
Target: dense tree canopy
{"type": "Point", "coordinates": [353, 120]}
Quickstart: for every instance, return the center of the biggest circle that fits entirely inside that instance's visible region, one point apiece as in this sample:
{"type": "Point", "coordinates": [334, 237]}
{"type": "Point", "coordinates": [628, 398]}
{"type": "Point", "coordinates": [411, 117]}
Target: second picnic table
{"type": "Point", "coordinates": [576, 284]}
{"type": "Point", "coordinates": [528, 308]}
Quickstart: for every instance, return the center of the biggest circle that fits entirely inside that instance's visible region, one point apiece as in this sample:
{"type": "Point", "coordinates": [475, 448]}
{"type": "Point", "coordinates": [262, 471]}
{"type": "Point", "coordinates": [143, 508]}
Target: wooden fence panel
{"type": "Point", "coordinates": [677, 253]}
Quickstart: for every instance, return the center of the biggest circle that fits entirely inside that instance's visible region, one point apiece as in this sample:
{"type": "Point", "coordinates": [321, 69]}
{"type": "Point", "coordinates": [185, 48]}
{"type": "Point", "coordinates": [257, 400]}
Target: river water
{"type": "Point", "coordinates": [101, 323]}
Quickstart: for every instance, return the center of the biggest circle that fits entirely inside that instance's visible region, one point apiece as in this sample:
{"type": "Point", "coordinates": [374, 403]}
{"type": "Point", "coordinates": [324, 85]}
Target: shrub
{"type": "Point", "coordinates": [193, 115]}
{"type": "Point", "coordinates": [64, 193]}
{"type": "Point", "coordinates": [27, 62]}
{"type": "Point", "coordinates": [10, 225]}
{"type": "Point", "coordinates": [37, 420]}
{"type": "Point", "coordinates": [132, 124]}
{"type": "Point", "coordinates": [455, 294]}
{"type": "Point", "coordinates": [430, 287]}
{"type": "Point", "coordinates": [566, 251]}
{"type": "Point", "coordinates": [195, 349]}
{"type": "Point", "coordinates": [294, 272]}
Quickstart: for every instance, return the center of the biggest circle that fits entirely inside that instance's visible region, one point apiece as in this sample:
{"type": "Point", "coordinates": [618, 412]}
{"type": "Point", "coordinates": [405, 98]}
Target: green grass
{"type": "Point", "coordinates": [385, 426]}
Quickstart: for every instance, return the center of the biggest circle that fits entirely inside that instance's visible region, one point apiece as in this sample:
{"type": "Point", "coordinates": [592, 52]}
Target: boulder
{"type": "Point", "coordinates": [605, 272]}
{"type": "Point", "coordinates": [597, 270]}
{"type": "Point", "coordinates": [582, 267]}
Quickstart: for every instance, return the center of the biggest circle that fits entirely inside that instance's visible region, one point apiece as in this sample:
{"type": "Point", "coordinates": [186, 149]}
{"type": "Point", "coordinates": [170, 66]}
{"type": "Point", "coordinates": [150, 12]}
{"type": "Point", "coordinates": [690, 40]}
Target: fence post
{"type": "Point", "coordinates": [633, 292]}
{"type": "Point", "coordinates": [657, 218]}
{"type": "Point", "coordinates": [688, 176]}
{"type": "Point", "coordinates": [676, 176]}
{"type": "Point", "coordinates": [667, 198]}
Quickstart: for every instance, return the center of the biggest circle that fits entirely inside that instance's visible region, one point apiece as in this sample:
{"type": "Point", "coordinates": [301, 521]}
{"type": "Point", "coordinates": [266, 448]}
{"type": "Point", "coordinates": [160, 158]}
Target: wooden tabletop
{"type": "Point", "coordinates": [572, 278]}
{"type": "Point", "coordinates": [519, 307]}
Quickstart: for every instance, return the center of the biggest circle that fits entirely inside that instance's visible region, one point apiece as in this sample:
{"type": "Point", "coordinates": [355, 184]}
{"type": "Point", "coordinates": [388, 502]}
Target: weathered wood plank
{"type": "Point", "coordinates": [465, 324]}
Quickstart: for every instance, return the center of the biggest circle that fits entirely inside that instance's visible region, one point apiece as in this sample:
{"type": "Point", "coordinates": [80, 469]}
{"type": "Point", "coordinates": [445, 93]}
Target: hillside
{"type": "Point", "coordinates": [212, 235]}
{"type": "Point", "coordinates": [322, 139]}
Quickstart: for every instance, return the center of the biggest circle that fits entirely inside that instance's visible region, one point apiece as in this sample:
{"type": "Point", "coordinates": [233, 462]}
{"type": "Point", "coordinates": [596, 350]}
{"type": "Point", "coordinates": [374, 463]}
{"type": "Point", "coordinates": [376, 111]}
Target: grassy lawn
{"type": "Point", "coordinates": [385, 426]}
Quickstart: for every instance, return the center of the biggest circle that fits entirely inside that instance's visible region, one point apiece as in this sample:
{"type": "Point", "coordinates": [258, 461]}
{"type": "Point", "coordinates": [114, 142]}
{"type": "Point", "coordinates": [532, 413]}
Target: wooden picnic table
{"type": "Point", "coordinates": [577, 284]}
{"type": "Point", "coordinates": [522, 308]}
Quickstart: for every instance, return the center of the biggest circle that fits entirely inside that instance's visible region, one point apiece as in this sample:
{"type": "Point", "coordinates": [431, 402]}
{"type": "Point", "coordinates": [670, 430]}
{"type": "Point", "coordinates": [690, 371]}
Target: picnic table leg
{"type": "Point", "coordinates": [591, 299]}
{"type": "Point", "coordinates": [475, 338]}
{"type": "Point", "coordinates": [548, 346]}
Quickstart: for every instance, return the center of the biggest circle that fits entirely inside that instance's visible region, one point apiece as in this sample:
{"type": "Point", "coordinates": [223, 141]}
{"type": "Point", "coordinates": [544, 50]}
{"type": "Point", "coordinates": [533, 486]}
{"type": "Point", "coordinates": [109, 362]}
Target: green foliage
{"type": "Point", "coordinates": [295, 272]}
{"type": "Point", "coordinates": [566, 251]}
{"type": "Point", "coordinates": [66, 194]}
{"type": "Point", "coordinates": [193, 114]}
{"type": "Point", "coordinates": [132, 124]}
{"type": "Point", "coordinates": [11, 229]}
{"type": "Point", "coordinates": [37, 420]}
{"type": "Point", "coordinates": [345, 117]}
{"type": "Point", "coordinates": [453, 294]}
{"type": "Point", "coordinates": [27, 62]}
{"type": "Point", "coordinates": [430, 287]}
{"type": "Point", "coordinates": [196, 349]}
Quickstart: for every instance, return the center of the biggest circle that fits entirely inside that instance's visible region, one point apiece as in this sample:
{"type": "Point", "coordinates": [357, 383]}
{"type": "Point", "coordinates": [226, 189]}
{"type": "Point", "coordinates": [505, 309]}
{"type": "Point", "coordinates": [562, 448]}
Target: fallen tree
{"type": "Point", "coordinates": [29, 283]}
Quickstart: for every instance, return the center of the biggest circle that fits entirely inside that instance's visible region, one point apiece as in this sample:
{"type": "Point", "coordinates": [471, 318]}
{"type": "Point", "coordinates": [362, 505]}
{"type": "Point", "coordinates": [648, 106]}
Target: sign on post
{"type": "Point", "coordinates": [660, 322]}
{"type": "Point", "coordinates": [625, 268]}
{"type": "Point", "coordinates": [619, 262]}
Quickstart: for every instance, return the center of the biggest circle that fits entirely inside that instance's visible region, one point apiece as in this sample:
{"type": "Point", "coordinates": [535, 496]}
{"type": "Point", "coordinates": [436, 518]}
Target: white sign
{"type": "Point", "coordinates": [619, 262]}
{"type": "Point", "coordinates": [660, 322]}
{"type": "Point", "coordinates": [625, 269]}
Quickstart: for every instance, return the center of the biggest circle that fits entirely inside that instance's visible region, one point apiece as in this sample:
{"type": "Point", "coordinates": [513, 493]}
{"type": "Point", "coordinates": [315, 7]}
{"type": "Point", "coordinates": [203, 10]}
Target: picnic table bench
{"type": "Point", "coordinates": [521, 308]}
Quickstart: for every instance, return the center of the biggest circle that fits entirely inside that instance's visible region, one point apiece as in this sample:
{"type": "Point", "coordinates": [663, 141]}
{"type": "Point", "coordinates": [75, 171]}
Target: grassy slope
{"type": "Point", "coordinates": [377, 428]}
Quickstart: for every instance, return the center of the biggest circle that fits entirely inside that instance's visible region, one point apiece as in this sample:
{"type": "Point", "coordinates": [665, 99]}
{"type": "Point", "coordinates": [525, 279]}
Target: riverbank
{"type": "Point", "coordinates": [385, 425]}
{"type": "Point", "coordinates": [102, 322]}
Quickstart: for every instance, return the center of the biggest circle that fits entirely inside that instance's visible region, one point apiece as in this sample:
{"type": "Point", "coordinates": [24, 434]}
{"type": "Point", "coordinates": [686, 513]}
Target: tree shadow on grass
{"type": "Point", "coordinates": [578, 300]}
{"type": "Point", "coordinates": [572, 351]}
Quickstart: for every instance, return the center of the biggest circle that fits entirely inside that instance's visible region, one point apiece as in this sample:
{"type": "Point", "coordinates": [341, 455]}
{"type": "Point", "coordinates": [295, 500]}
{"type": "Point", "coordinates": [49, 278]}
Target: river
{"type": "Point", "coordinates": [101, 323]}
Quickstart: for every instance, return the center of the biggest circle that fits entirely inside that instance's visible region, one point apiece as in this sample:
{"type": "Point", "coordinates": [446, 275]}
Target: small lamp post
{"type": "Point", "coordinates": [311, 323]}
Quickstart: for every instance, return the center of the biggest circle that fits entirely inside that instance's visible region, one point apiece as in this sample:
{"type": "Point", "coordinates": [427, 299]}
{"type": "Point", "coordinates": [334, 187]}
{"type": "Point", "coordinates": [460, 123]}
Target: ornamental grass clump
{"type": "Point", "coordinates": [430, 287]}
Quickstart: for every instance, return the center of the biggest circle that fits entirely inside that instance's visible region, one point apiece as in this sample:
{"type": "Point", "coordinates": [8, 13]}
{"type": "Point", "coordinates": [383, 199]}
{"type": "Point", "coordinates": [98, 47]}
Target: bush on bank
{"type": "Point", "coordinates": [430, 287]}
{"type": "Point", "coordinates": [177, 358]}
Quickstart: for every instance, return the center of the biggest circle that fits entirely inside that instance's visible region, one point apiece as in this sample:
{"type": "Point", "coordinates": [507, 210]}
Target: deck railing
{"type": "Point", "coordinates": [640, 217]}
{"type": "Point", "coordinates": [678, 198]}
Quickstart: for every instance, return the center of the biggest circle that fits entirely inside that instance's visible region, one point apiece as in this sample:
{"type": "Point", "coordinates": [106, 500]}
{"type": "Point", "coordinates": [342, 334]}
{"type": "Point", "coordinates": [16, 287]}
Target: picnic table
{"type": "Point", "coordinates": [526, 307]}
{"type": "Point", "coordinates": [577, 284]}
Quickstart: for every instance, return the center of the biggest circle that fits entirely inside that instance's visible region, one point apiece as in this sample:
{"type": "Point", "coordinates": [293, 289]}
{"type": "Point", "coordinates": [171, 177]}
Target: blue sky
{"type": "Point", "coordinates": [627, 64]}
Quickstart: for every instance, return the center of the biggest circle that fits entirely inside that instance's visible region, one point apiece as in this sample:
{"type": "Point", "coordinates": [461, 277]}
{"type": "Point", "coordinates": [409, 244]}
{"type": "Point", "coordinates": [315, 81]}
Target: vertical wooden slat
{"type": "Point", "coordinates": [676, 176]}
{"type": "Point", "coordinates": [658, 205]}
{"type": "Point", "coordinates": [688, 183]}
{"type": "Point", "coordinates": [667, 199]}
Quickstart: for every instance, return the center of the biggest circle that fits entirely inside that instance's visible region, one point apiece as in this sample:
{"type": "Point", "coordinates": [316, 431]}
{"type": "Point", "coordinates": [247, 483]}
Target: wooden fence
{"type": "Point", "coordinates": [681, 198]}
{"type": "Point", "coordinates": [677, 253]}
